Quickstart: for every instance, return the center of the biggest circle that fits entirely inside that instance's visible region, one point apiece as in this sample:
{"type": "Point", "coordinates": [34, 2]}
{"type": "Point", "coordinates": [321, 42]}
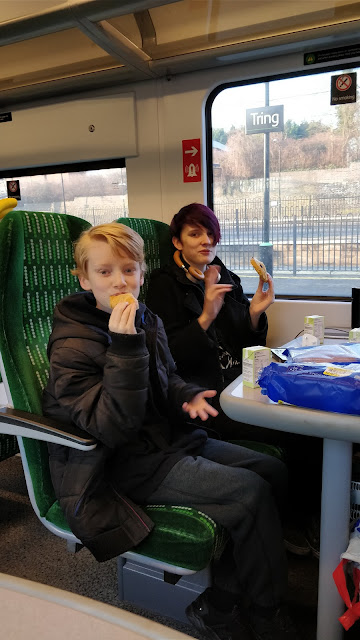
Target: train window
{"type": "Point", "coordinates": [97, 195]}
{"type": "Point", "coordinates": [286, 180]}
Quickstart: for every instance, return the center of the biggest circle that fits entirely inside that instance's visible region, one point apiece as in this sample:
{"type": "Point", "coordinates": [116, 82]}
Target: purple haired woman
{"type": "Point", "coordinates": [208, 318]}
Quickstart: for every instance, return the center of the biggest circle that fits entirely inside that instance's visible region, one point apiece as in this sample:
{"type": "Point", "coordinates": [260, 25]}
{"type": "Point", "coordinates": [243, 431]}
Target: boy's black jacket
{"type": "Point", "coordinates": [119, 388]}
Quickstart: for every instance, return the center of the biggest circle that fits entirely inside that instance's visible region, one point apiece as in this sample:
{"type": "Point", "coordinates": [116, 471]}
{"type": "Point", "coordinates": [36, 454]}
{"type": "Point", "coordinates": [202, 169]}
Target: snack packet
{"type": "Point", "coordinates": [339, 353]}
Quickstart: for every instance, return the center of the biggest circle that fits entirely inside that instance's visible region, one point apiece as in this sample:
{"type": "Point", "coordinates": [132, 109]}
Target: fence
{"type": "Point", "coordinates": [307, 234]}
{"type": "Point", "coordinates": [101, 216]}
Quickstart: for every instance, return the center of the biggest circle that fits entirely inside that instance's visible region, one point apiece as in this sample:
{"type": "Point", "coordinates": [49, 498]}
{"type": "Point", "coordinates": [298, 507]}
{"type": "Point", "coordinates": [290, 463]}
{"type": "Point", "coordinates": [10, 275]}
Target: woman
{"type": "Point", "coordinates": [208, 318]}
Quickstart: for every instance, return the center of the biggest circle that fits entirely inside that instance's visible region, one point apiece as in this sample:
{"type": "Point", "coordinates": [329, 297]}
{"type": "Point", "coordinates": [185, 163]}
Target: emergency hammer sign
{"type": "Point", "coordinates": [191, 160]}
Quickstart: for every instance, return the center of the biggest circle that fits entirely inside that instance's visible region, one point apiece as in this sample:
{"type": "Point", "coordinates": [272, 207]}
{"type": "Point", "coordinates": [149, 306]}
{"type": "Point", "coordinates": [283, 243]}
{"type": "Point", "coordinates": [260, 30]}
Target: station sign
{"type": "Point", "coordinates": [265, 119]}
{"type": "Point", "coordinates": [191, 160]}
{"type": "Point", "coordinates": [343, 88]}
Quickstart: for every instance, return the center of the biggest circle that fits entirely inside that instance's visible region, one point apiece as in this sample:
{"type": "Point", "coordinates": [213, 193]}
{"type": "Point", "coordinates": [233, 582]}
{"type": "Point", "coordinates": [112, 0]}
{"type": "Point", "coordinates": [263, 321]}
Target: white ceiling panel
{"type": "Point", "coordinates": [44, 41]}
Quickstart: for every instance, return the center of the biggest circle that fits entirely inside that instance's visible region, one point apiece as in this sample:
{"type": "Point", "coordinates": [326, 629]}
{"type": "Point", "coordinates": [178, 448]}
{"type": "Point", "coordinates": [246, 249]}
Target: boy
{"type": "Point", "coordinates": [111, 373]}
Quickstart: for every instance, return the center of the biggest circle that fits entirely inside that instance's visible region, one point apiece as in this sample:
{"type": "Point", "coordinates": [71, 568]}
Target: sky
{"type": "Point", "coordinates": [304, 98]}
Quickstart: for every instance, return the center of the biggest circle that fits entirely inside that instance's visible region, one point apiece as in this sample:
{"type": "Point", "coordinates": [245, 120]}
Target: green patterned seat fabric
{"type": "Point", "coordinates": [157, 244]}
{"type": "Point", "coordinates": [35, 262]}
{"type": "Point", "coordinates": [55, 515]}
{"type": "Point", "coordinates": [8, 446]}
{"type": "Point", "coordinates": [182, 536]}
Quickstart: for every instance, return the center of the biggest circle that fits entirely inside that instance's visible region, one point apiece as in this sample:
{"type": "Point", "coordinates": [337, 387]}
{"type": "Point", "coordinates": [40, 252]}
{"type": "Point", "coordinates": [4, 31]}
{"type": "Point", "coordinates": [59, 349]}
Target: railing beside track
{"type": "Point", "coordinates": [306, 234]}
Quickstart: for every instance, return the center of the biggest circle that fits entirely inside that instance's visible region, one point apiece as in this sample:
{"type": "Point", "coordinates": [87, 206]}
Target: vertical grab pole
{"type": "Point", "coordinates": [266, 248]}
{"type": "Point", "coordinates": [334, 535]}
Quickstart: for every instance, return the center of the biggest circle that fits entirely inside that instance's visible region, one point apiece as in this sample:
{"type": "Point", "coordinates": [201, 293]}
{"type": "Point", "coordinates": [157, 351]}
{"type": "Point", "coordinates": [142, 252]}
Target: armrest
{"type": "Point", "coordinates": [30, 425]}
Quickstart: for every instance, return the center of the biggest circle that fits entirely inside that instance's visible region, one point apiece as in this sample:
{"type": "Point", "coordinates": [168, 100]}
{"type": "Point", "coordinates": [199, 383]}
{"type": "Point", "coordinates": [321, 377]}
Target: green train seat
{"type": "Point", "coordinates": [8, 444]}
{"type": "Point", "coordinates": [157, 245]}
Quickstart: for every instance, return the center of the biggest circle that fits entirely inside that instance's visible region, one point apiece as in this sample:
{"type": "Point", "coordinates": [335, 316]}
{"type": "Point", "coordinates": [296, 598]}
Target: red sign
{"type": "Point", "coordinates": [344, 82]}
{"type": "Point", "coordinates": [191, 160]}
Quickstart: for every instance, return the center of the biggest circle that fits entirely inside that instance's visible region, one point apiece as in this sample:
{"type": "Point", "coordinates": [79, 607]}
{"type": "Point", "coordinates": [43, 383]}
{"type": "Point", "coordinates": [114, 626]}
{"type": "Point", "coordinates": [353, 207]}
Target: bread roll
{"type": "Point", "coordinates": [259, 268]}
{"type": "Point", "coordinates": [122, 297]}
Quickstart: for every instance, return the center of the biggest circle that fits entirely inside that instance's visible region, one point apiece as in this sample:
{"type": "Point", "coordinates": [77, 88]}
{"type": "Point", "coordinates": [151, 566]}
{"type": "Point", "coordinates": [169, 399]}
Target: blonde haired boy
{"type": "Point", "coordinates": [112, 374]}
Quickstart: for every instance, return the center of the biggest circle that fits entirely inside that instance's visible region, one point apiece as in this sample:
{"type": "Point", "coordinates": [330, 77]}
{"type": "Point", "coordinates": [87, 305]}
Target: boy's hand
{"type": "Point", "coordinates": [122, 318]}
{"type": "Point", "coordinates": [214, 296]}
{"type": "Point", "coordinates": [198, 407]}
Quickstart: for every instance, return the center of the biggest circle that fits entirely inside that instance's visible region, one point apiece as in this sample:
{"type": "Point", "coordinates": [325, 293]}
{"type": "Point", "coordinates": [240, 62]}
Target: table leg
{"type": "Point", "coordinates": [334, 538]}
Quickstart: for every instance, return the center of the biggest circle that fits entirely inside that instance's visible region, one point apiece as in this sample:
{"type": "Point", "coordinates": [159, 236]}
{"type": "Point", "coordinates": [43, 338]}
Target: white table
{"type": "Point", "coordinates": [37, 612]}
{"type": "Point", "coordinates": [339, 431]}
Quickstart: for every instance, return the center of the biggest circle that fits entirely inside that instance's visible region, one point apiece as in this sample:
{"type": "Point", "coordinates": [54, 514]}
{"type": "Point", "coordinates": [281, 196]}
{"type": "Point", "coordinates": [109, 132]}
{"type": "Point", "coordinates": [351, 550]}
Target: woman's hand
{"type": "Point", "coordinates": [122, 319]}
{"type": "Point", "coordinates": [198, 407]}
{"type": "Point", "coordinates": [261, 300]}
{"type": "Point", "coordinates": [214, 296]}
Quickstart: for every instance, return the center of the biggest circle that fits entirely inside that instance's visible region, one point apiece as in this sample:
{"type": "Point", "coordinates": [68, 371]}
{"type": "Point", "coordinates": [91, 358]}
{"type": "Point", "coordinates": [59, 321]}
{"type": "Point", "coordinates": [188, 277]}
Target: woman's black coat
{"type": "Point", "coordinates": [179, 303]}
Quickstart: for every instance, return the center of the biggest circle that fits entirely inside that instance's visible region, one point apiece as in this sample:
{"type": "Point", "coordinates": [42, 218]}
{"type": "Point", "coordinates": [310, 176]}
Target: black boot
{"type": "Point", "coordinates": [272, 624]}
{"type": "Point", "coordinates": [209, 621]}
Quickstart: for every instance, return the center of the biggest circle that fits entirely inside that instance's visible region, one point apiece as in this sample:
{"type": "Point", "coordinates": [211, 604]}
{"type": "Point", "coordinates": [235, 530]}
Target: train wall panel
{"type": "Point", "coordinates": [94, 128]}
{"type": "Point", "coordinates": [286, 318]}
{"type": "Point", "coordinates": [177, 108]}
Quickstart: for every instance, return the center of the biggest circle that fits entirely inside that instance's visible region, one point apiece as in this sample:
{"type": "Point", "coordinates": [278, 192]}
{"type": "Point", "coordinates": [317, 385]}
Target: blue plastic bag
{"type": "Point", "coordinates": [326, 386]}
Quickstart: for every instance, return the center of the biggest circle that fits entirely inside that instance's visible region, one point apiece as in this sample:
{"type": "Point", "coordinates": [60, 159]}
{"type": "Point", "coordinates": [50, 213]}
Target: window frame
{"type": "Point", "coordinates": [73, 167]}
{"type": "Point", "coordinates": [311, 71]}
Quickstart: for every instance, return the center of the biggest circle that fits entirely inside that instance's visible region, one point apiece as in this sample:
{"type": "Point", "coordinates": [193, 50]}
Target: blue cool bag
{"type": "Point", "coordinates": [324, 386]}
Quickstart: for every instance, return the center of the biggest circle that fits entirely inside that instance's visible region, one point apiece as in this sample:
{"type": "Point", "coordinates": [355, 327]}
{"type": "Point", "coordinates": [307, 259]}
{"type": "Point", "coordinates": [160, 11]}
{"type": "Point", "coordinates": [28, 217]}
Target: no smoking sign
{"type": "Point", "coordinates": [13, 189]}
{"type": "Point", "coordinates": [343, 88]}
{"type": "Point", "coordinates": [344, 82]}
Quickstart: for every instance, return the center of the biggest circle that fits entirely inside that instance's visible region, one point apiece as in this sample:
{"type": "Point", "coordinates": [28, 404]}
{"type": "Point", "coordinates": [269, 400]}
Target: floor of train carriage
{"type": "Point", "coordinates": [29, 551]}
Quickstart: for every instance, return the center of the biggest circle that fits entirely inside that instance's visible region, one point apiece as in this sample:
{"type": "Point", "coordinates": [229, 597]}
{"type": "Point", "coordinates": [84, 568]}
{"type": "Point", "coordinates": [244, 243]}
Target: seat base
{"type": "Point", "coordinates": [144, 586]}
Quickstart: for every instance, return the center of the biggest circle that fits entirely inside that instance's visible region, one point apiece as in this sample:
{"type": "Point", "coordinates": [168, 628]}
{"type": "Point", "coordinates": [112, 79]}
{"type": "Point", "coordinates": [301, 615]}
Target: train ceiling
{"type": "Point", "coordinates": [50, 48]}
